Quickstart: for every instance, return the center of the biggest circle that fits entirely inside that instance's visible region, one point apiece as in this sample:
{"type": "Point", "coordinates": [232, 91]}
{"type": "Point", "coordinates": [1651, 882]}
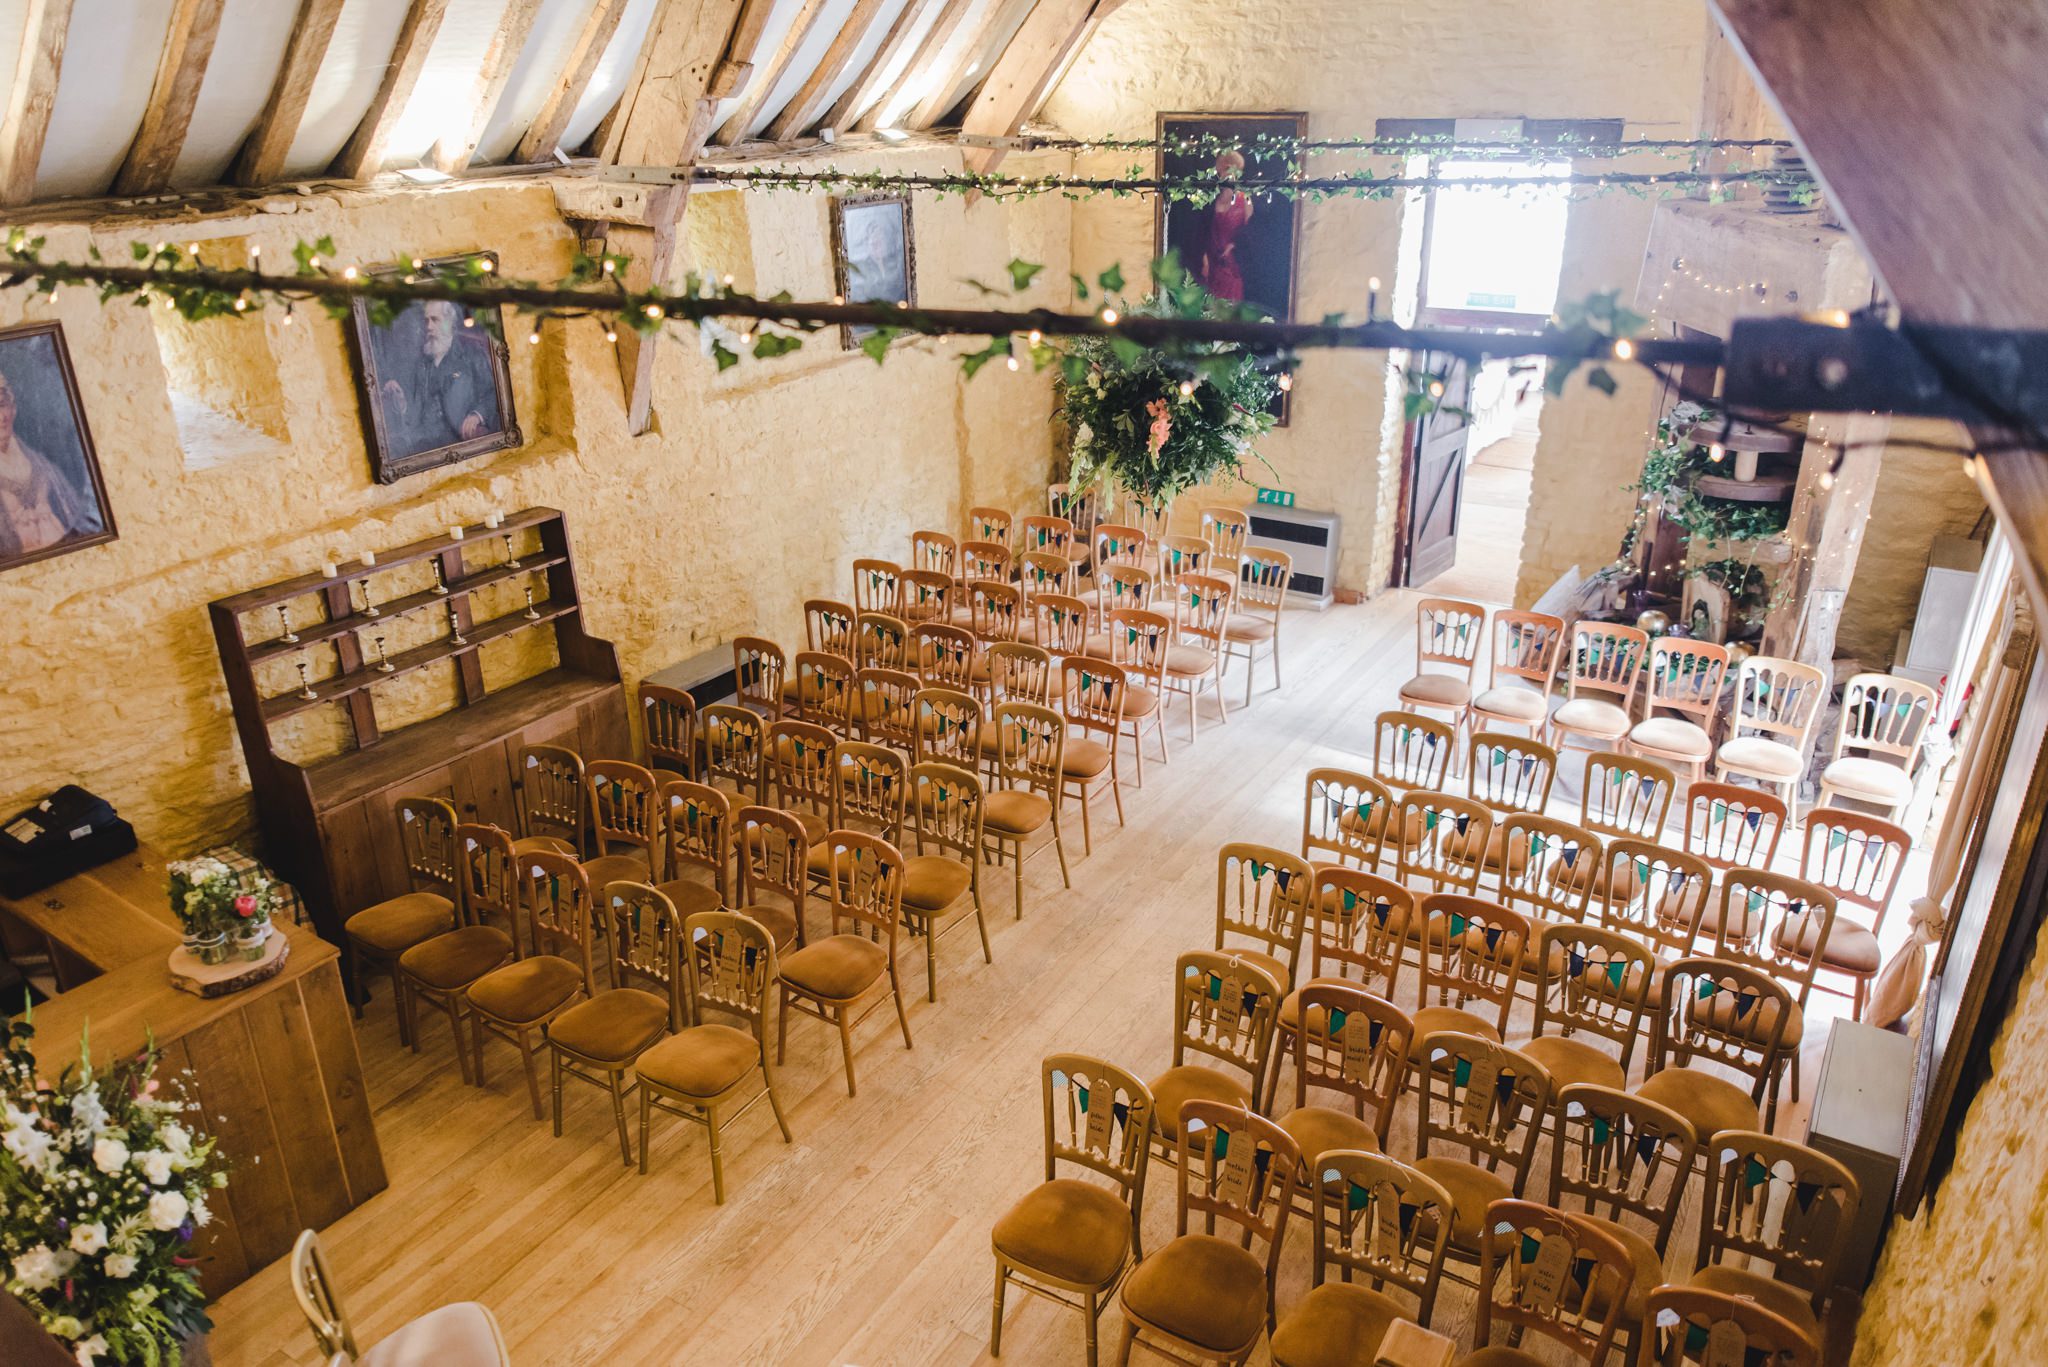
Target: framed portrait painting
{"type": "Point", "coordinates": [436, 383]}
{"type": "Point", "coordinates": [51, 499]}
{"type": "Point", "coordinates": [1240, 246]}
{"type": "Point", "coordinates": [874, 256]}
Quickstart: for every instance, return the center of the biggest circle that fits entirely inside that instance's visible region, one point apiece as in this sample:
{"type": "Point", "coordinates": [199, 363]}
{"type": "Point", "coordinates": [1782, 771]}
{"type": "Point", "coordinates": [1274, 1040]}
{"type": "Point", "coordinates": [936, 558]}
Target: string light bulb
{"type": "Point", "coordinates": [1109, 317]}
{"type": "Point", "coordinates": [1286, 381]}
{"type": "Point", "coordinates": [1187, 389]}
{"type": "Point", "coordinates": [1012, 362]}
{"type": "Point", "coordinates": [533, 337]}
{"type": "Point", "coordinates": [348, 273]}
{"type": "Point", "coordinates": [1624, 349]}
{"type": "Point", "coordinates": [487, 265]}
{"type": "Point", "coordinates": [654, 310]}
{"type": "Point", "coordinates": [611, 335]}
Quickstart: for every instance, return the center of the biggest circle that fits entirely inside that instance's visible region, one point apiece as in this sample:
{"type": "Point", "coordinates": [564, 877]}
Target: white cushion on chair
{"type": "Point", "coordinates": [1590, 716]}
{"type": "Point", "coordinates": [1437, 690]}
{"type": "Point", "coordinates": [1757, 755]}
{"type": "Point", "coordinates": [1868, 780]}
{"type": "Point", "coordinates": [1672, 736]}
{"type": "Point", "coordinates": [1525, 704]}
{"type": "Point", "coordinates": [461, 1335]}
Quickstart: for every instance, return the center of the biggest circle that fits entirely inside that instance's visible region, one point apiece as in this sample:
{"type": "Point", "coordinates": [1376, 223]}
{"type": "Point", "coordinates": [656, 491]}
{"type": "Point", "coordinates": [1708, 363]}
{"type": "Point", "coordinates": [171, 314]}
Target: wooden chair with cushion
{"type": "Point", "coordinates": [732, 748]}
{"type": "Point", "coordinates": [760, 672]}
{"type": "Point", "coordinates": [1356, 1045]}
{"type": "Point", "coordinates": [552, 815]}
{"type": "Point", "coordinates": [1411, 751]}
{"type": "Point", "coordinates": [1509, 775]}
{"type": "Point", "coordinates": [949, 726]}
{"type": "Point", "coordinates": [1203, 1294]}
{"type": "Point", "coordinates": [1264, 900]}
{"type": "Point", "coordinates": [551, 970]}
{"type": "Point", "coordinates": [1726, 1014]}
{"type": "Point", "coordinates": [877, 586]}
{"type": "Point", "coordinates": [1153, 517]}
{"type": "Point", "coordinates": [1042, 572]}
{"type": "Point", "coordinates": [1254, 627]}
{"type": "Point", "coordinates": [1194, 664]}
{"type": "Point", "coordinates": [379, 934]}
{"type": "Point", "coordinates": [933, 553]}
{"type": "Point", "coordinates": [870, 790]}
{"type": "Point", "coordinates": [885, 705]}
{"type": "Point", "coordinates": [597, 1039]}
{"type": "Point", "coordinates": [1473, 955]}
{"type": "Point", "coordinates": [827, 691]}
{"type": "Point", "coordinates": [1731, 827]}
{"type": "Point", "coordinates": [943, 656]}
{"type": "Point", "coordinates": [828, 628]}
{"type": "Point", "coordinates": [1657, 896]}
{"type": "Point", "coordinates": [1069, 1239]}
{"type": "Point", "coordinates": [1124, 587]}
{"type": "Point", "coordinates": [438, 972]}
{"type": "Point", "coordinates": [1137, 642]}
{"type": "Point", "coordinates": [1519, 672]}
{"type": "Point", "coordinates": [881, 640]}
{"type": "Point", "coordinates": [853, 968]}
{"type": "Point", "coordinates": [1601, 665]}
{"type": "Point", "coordinates": [1780, 701]}
{"type": "Point", "coordinates": [1223, 1012]}
{"type": "Point", "coordinates": [943, 828]}
{"type": "Point", "coordinates": [989, 524]}
{"type": "Point", "coordinates": [1047, 536]}
{"type": "Point", "coordinates": [624, 801]}
{"type": "Point", "coordinates": [1623, 796]}
{"type": "Point", "coordinates": [1547, 869]}
{"type": "Point", "coordinates": [1683, 1324]}
{"type": "Point", "coordinates": [1116, 545]}
{"type": "Point", "coordinates": [1441, 840]}
{"type": "Point", "coordinates": [1030, 753]}
{"type": "Point", "coordinates": [1059, 624]}
{"type": "Point", "coordinates": [729, 966]}
{"type": "Point", "coordinates": [1487, 1105]}
{"type": "Point", "coordinates": [979, 560]}
{"type": "Point", "coordinates": [1092, 698]}
{"type": "Point", "coordinates": [1683, 677]}
{"type": "Point", "coordinates": [1448, 635]}
{"type": "Point", "coordinates": [1782, 926]}
{"type": "Point", "coordinates": [668, 725]}
{"type": "Point", "coordinates": [1883, 724]}
{"type": "Point", "coordinates": [462, 1334]}
{"type": "Point", "coordinates": [1859, 859]}
{"type": "Point", "coordinates": [1374, 1220]}
{"type": "Point", "coordinates": [1344, 819]}
{"type": "Point", "coordinates": [927, 598]}
{"type": "Point", "coordinates": [1594, 986]}
{"type": "Point", "coordinates": [1776, 1220]}
{"type": "Point", "coordinates": [1623, 1162]}
{"type": "Point", "coordinates": [995, 611]}
{"type": "Point", "coordinates": [1227, 530]}
{"type": "Point", "coordinates": [697, 833]}
{"type": "Point", "coordinates": [1017, 671]}
{"type": "Point", "coordinates": [773, 851]}
{"type": "Point", "coordinates": [1180, 555]}
{"type": "Point", "coordinates": [796, 774]}
{"type": "Point", "coordinates": [1552, 1275]}
{"type": "Point", "coordinates": [1356, 938]}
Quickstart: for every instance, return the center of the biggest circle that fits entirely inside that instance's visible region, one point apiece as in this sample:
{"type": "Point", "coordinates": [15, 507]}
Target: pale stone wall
{"type": "Point", "coordinates": [756, 489]}
{"type": "Point", "coordinates": [1348, 63]}
{"type": "Point", "coordinates": [1920, 495]}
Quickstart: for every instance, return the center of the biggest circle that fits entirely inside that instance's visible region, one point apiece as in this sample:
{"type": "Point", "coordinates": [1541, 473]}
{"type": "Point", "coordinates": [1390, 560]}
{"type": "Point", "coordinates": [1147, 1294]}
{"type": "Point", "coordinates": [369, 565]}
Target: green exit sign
{"type": "Point", "coordinates": [1279, 498]}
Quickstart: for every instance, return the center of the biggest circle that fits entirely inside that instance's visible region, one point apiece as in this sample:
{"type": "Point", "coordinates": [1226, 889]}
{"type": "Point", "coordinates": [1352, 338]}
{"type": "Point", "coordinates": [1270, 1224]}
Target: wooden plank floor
{"type": "Point", "coordinates": [865, 1241]}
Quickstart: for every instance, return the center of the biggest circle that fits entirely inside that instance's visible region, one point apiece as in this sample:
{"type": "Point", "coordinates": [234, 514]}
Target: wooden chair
{"type": "Point", "coordinates": [1358, 1046]}
{"type": "Point", "coordinates": [877, 586]}
{"type": "Point", "coordinates": [668, 727]}
{"type": "Point", "coordinates": [1625, 796]}
{"type": "Point", "coordinates": [1519, 672]}
{"type": "Point", "coordinates": [1059, 623]}
{"type": "Point", "coordinates": [1448, 635]}
{"type": "Point", "coordinates": [1731, 827]}
{"type": "Point", "coordinates": [597, 1039]}
{"type": "Point", "coordinates": [995, 610]}
{"type": "Point", "coordinates": [927, 597]}
{"type": "Point", "coordinates": [550, 973]}
{"type": "Point", "coordinates": [1374, 1220]}
{"type": "Point", "coordinates": [1030, 757]}
{"type": "Point", "coordinates": [1344, 819]}
{"type": "Point", "coordinates": [1776, 1220]}
{"type": "Point", "coordinates": [773, 850]}
{"type": "Point", "coordinates": [1264, 896]}
{"type": "Point", "coordinates": [1595, 986]}
{"type": "Point", "coordinates": [625, 809]}
{"type": "Point", "coordinates": [1411, 751]}
{"type": "Point", "coordinates": [1122, 587]}
{"type": "Point", "coordinates": [1227, 530]}
{"type": "Point", "coordinates": [1858, 859]}
{"type": "Point", "coordinates": [1044, 572]}
{"type": "Point", "coordinates": [1683, 677]}
{"type": "Point", "coordinates": [944, 812]}
{"type": "Point", "coordinates": [1202, 605]}
{"type": "Point", "coordinates": [437, 972]}
{"type": "Point", "coordinates": [1355, 939]}
{"type": "Point", "coordinates": [948, 728]}
{"type": "Point", "coordinates": [378, 935]}
{"type": "Point", "coordinates": [943, 656]}
{"type": "Point", "coordinates": [1604, 661]}
{"type": "Point", "coordinates": [1885, 718]}
{"type": "Point", "coordinates": [729, 966]}
{"type": "Point", "coordinates": [856, 963]}
{"type": "Point", "coordinates": [697, 832]}
{"type": "Point", "coordinates": [551, 791]}
{"type": "Point", "coordinates": [988, 560]}
{"type": "Point", "coordinates": [1658, 896]}
{"type": "Point", "coordinates": [796, 775]}
{"type": "Point", "coordinates": [1480, 1098]}
{"type": "Point", "coordinates": [1092, 697]}
{"type": "Point", "coordinates": [463, 1332]}
{"type": "Point", "coordinates": [1723, 1013]}
{"type": "Point", "coordinates": [732, 748]}
{"type": "Point", "coordinates": [933, 553]}
{"type": "Point", "coordinates": [881, 641]}
{"type": "Point", "coordinates": [1781, 926]}
{"type": "Point", "coordinates": [760, 672]}
{"type": "Point", "coordinates": [1779, 700]}
{"type": "Point", "coordinates": [1223, 1012]}
{"type": "Point", "coordinates": [1547, 868]}
{"type": "Point", "coordinates": [1441, 840]}
{"type": "Point", "coordinates": [1683, 1324]}
{"type": "Point", "coordinates": [1154, 518]}
{"type": "Point", "coordinates": [1018, 672]}
{"type": "Point", "coordinates": [828, 627]}
{"type": "Point", "coordinates": [1622, 1163]}
{"type": "Point", "coordinates": [1068, 1239]}
{"type": "Point", "coordinates": [1203, 1294]}
{"type": "Point", "coordinates": [1045, 535]}
{"type": "Point", "coordinates": [1114, 545]}
{"type": "Point", "coordinates": [885, 704]}
{"type": "Point", "coordinates": [1254, 627]}
{"type": "Point", "coordinates": [989, 524]}
{"type": "Point", "coordinates": [870, 791]}
{"type": "Point", "coordinates": [1179, 555]}
{"type": "Point", "coordinates": [1136, 641]}
{"type": "Point", "coordinates": [827, 691]}
{"type": "Point", "coordinates": [1508, 775]}
{"type": "Point", "coordinates": [1473, 953]}
{"type": "Point", "coordinates": [1550, 1274]}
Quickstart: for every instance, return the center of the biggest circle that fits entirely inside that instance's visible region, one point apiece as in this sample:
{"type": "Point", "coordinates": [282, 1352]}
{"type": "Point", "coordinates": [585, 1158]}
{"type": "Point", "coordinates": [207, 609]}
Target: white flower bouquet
{"type": "Point", "coordinates": [105, 1185]}
{"type": "Point", "coordinates": [214, 904]}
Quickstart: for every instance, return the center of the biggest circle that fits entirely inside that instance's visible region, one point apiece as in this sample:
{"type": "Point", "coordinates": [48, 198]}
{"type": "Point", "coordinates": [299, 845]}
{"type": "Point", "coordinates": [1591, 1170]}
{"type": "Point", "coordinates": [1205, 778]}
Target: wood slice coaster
{"type": "Point", "coordinates": [190, 974]}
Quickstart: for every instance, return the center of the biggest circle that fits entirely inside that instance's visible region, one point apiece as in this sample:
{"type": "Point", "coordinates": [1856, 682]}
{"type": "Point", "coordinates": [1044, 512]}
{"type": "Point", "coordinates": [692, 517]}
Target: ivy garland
{"type": "Point", "coordinates": [1672, 469]}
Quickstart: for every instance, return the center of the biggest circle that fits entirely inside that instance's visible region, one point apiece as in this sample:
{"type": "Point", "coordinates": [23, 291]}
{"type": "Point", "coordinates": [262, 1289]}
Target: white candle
{"type": "Point", "coordinates": [369, 557]}
{"type": "Point", "coordinates": [330, 569]}
{"type": "Point", "coordinates": [456, 531]}
{"type": "Point", "coordinates": [493, 518]}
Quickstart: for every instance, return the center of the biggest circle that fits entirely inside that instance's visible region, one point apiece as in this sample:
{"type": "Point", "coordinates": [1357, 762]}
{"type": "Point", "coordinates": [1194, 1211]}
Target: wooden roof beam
{"type": "Point", "coordinates": [544, 134]}
{"type": "Point", "coordinates": [928, 50]}
{"type": "Point", "coordinates": [938, 98]}
{"type": "Point", "coordinates": [767, 74]}
{"type": "Point", "coordinates": [33, 96]}
{"type": "Point", "coordinates": [188, 47]}
{"type": "Point", "coordinates": [1027, 71]}
{"type": "Point", "coordinates": [508, 40]}
{"type": "Point", "coordinates": [665, 113]}
{"type": "Point", "coordinates": [809, 100]}
{"type": "Point", "coordinates": [857, 96]}
{"type": "Point", "coordinates": [364, 155]}
{"type": "Point", "coordinates": [262, 158]}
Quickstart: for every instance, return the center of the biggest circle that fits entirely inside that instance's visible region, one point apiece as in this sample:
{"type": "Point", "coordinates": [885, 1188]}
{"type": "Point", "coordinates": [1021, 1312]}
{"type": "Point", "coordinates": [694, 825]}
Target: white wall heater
{"type": "Point", "coordinates": [1313, 539]}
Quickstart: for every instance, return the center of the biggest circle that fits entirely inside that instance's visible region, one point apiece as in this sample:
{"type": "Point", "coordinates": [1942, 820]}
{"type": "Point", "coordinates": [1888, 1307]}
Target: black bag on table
{"type": "Point", "coordinates": [68, 832]}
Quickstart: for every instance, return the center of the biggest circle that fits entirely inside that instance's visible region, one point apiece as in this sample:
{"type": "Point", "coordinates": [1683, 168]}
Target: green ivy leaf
{"type": "Point", "coordinates": [726, 357]}
{"type": "Point", "coordinates": [1022, 273]}
{"type": "Point", "coordinates": [1111, 280]}
{"type": "Point", "coordinates": [1601, 379]}
{"type": "Point", "coordinates": [769, 345]}
{"type": "Point", "coordinates": [876, 343]}
{"type": "Point", "coordinates": [1080, 286]}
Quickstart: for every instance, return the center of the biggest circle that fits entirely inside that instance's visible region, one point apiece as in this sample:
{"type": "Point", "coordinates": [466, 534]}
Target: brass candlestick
{"type": "Point", "coordinates": [384, 665]}
{"type": "Point", "coordinates": [440, 583]}
{"type": "Point", "coordinates": [511, 556]}
{"type": "Point", "coordinates": [532, 613]}
{"type": "Point", "coordinates": [305, 684]}
{"type": "Point", "coordinates": [369, 607]}
{"type": "Point", "coordinates": [455, 627]}
{"type": "Point", "coordinates": [284, 615]}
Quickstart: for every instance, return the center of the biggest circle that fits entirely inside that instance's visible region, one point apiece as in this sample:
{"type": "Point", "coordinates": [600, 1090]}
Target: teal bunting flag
{"type": "Point", "coordinates": [1755, 1174]}
{"type": "Point", "coordinates": [1462, 1073]}
{"type": "Point", "coordinates": [1601, 1129]}
{"type": "Point", "coordinates": [1719, 811]}
{"type": "Point", "coordinates": [1458, 924]}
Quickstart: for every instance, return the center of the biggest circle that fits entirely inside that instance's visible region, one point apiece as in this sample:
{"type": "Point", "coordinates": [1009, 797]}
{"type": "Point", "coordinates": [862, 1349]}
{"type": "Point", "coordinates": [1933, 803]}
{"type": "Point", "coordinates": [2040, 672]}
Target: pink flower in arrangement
{"type": "Point", "coordinates": [1162, 425]}
{"type": "Point", "coordinates": [245, 905]}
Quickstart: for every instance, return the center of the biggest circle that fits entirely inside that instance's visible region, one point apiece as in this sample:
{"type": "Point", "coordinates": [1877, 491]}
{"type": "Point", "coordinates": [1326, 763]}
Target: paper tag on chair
{"type": "Point", "coordinates": [1475, 1108]}
{"type": "Point", "coordinates": [1229, 998]}
{"type": "Point", "coordinates": [1544, 1282]}
{"type": "Point", "coordinates": [725, 972]}
{"type": "Point", "coordinates": [1234, 1187]}
{"type": "Point", "coordinates": [1727, 1345]}
{"type": "Point", "coordinates": [1358, 1034]}
{"type": "Point", "coordinates": [1101, 1114]}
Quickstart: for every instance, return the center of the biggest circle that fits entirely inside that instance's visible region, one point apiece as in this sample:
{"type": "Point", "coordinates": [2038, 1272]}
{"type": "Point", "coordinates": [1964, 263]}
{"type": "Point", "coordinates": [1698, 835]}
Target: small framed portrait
{"type": "Point", "coordinates": [1240, 246]}
{"type": "Point", "coordinates": [51, 499]}
{"type": "Point", "coordinates": [436, 383]}
{"type": "Point", "coordinates": [874, 256]}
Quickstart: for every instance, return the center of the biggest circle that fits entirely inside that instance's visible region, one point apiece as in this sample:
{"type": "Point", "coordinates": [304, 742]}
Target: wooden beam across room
{"type": "Point", "coordinates": [1027, 71]}
{"type": "Point", "coordinates": [952, 68]}
{"type": "Point", "coordinates": [928, 50]}
{"type": "Point", "coordinates": [508, 40]}
{"type": "Point", "coordinates": [364, 155]}
{"type": "Point", "coordinates": [180, 70]}
{"type": "Point", "coordinates": [804, 107]}
{"type": "Point", "coordinates": [262, 158]}
{"type": "Point", "coordinates": [858, 95]}
{"type": "Point", "coordinates": [32, 97]}
{"type": "Point", "coordinates": [545, 133]}
{"type": "Point", "coordinates": [768, 74]}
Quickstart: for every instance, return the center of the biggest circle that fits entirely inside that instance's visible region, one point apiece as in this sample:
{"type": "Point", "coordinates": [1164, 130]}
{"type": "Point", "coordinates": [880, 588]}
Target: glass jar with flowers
{"type": "Point", "coordinates": [223, 913]}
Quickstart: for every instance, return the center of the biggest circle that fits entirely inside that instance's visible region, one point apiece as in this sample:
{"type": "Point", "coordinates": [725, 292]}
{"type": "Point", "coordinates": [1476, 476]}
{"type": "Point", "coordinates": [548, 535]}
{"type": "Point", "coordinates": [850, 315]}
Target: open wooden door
{"type": "Point", "coordinates": [1436, 476]}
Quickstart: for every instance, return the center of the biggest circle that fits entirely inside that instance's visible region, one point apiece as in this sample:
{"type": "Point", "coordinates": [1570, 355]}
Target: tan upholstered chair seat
{"type": "Point", "coordinates": [691, 897]}
{"type": "Point", "coordinates": [1319, 1129]}
{"type": "Point", "coordinates": [1672, 736]}
{"type": "Point", "coordinates": [1248, 628]}
{"type": "Point", "coordinates": [458, 958]}
{"type": "Point", "coordinates": [1868, 780]}
{"type": "Point", "coordinates": [1431, 1018]}
{"type": "Point", "coordinates": [1072, 1231]}
{"type": "Point", "coordinates": [613, 1026]}
{"type": "Point", "coordinates": [1096, 646]}
{"type": "Point", "coordinates": [1710, 1104]}
{"type": "Point", "coordinates": [1592, 717]}
{"type": "Point", "coordinates": [1083, 758]}
{"type": "Point", "coordinates": [613, 868]}
{"type": "Point", "coordinates": [778, 920]}
{"type": "Point", "coordinates": [461, 1335]}
{"type": "Point", "coordinates": [933, 882]}
{"type": "Point", "coordinates": [1275, 967]}
{"type": "Point", "coordinates": [1757, 755]}
{"type": "Point", "coordinates": [838, 967]}
{"type": "Point", "coordinates": [1290, 1005]}
{"type": "Point", "coordinates": [1649, 1265]}
{"type": "Point", "coordinates": [1498, 1355]}
{"type": "Point", "coordinates": [1139, 702]}
{"type": "Point", "coordinates": [1337, 1324]}
{"type": "Point", "coordinates": [703, 1060]}
{"type": "Point", "coordinates": [1192, 1082]}
{"type": "Point", "coordinates": [1522, 704]}
{"type": "Point", "coordinates": [545, 844]}
{"type": "Point", "coordinates": [1189, 660]}
{"type": "Point", "coordinates": [1015, 811]}
{"type": "Point", "coordinates": [816, 824]}
{"type": "Point", "coordinates": [1789, 1301]}
{"type": "Point", "coordinates": [1471, 1189]}
{"type": "Point", "coordinates": [1573, 1060]}
{"type": "Point", "coordinates": [1203, 1289]}
{"type": "Point", "coordinates": [1437, 690]}
{"type": "Point", "coordinates": [397, 925]}
{"type": "Point", "coordinates": [528, 990]}
{"type": "Point", "coordinates": [1850, 947]}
